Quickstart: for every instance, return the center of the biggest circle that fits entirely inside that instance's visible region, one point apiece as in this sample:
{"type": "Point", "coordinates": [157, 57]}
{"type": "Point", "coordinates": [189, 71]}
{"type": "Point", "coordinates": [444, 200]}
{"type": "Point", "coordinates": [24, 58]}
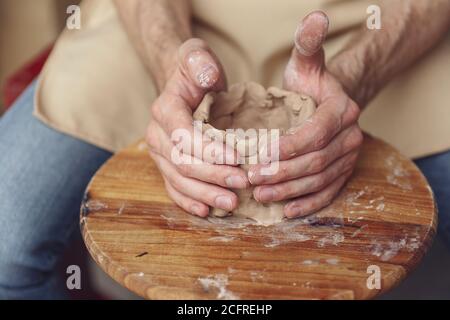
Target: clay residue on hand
{"type": "Point", "coordinates": [218, 283]}
{"type": "Point", "coordinates": [250, 106]}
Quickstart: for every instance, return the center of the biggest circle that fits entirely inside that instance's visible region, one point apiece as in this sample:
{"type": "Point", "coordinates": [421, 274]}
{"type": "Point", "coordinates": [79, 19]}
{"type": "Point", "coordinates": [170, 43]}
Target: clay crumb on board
{"type": "Point", "coordinates": [357, 232]}
{"type": "Point", "coordinates": [399, 176]}
{"type": "Point", "coordinates": [351, 198]}
{"type": "Point", "coordinates": [122, 207]}
{"type": "Point", "coordinates": [231, 270]}
{"type": "Point", "coordinates": [331, 239]}
{"type": "Point", "coordinates": [255, 276]}
{"type": "Point", "coordinates": [332, 261]}
{"type": "Point", "coordinates": [286, 238]}
{"type": "Point", "coordinates": [390, 250]}
{"type": "Point", "coordinates": [219, 283]}
{"type": "Point", "coordinates": [310, 262]}
{"type": "Point", "coordinates": [222, 238]}
{"type": "Point", "coordinates": [94, 205]}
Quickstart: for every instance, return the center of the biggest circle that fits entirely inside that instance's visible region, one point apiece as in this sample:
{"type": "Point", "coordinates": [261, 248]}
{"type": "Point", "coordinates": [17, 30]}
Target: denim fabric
{"type": "Point", "coordinates": [436, 169]}
{"type": "Point", "coordinates": [43, 175]}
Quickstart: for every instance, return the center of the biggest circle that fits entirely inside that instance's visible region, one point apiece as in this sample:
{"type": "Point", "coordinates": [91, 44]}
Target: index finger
{"type": "Point", "coordinates": [330, 118]}
{"type": "Point", "coordinates": [175, 117]}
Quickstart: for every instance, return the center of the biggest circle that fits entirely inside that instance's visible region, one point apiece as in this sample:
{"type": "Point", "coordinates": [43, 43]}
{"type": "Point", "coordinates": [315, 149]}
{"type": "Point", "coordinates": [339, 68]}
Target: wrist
{"type": "Point", "coordinates": [162, 35]}
{"type": "Point", "coordinates": [350, 74]}
{"type": "Point", "coordinates": [163, 63]}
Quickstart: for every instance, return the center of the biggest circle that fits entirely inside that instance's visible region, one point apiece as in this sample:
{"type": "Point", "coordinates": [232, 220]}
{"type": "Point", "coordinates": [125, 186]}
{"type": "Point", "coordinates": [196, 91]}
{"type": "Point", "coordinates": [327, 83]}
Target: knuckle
{"type": "Point", "coordinates": [320, 182]}
{"type": "Point", "coordinates": [151, 138]}
{"type": "Point", "coordinates": [176, 183]}
{"type": "Point", "coordinates": [352, 141]}
{"type": "Point", "coordinates": [354, 110]}
{"type": "Point", "coordinates": [358, 136]}
{"type": "Point", "coordinates": [320, 136]}
{"type": "Point", "coordinates": [155, 110]}
{"type": "Point", "coordinates": [287, 147]}
{"type": "Point", "coordinates": [282, 174]}
{"type": "Point", "coordinates": [319, 162]}
{"type": "Point", "coordinates": [185, 169]}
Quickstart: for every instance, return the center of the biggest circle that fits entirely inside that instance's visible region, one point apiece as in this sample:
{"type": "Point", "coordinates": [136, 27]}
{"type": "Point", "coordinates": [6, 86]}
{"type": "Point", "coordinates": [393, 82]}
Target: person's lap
{"type": "Point", "coordinates": [436, 169]}
{"type": "Point", "coordinates": [43, 174]}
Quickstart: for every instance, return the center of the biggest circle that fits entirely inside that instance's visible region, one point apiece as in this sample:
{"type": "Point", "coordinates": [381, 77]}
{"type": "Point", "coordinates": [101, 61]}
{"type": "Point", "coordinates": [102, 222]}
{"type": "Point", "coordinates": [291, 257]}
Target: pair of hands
{"type": "Point", "coordinates": [316, 159]}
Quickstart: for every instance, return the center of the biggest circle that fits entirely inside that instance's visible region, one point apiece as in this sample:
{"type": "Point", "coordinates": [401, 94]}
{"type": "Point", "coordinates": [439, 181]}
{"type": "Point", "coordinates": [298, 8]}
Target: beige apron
{"type": "Point", "coordinates": [94, 86]}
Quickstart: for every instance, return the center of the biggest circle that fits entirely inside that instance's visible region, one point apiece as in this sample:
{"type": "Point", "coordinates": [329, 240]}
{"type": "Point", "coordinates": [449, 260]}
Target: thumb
{"type": "Point", "coordinates": [198, 72]}
{"type": "Point", "coordinates": [308, 55]}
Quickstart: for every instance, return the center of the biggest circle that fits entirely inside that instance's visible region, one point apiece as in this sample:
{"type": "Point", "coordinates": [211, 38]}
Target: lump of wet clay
{"type": "Point", "coordinates": [250, 106]}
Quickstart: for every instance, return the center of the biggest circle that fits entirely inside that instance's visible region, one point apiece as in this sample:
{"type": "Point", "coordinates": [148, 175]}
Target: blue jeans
{"type": "Point", "coordinates": [436, 169]}
{"type": "Point", "coordinates": [43, 174]}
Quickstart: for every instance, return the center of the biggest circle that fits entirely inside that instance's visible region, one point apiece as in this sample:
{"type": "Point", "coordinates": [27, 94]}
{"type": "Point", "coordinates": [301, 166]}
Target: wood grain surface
{"type": "Point", "coordinates": [385, 216]}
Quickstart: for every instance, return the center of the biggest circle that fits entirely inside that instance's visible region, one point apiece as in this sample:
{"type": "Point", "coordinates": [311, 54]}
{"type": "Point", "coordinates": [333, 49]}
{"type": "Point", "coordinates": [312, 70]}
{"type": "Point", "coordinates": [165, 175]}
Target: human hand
{"type": "Point", "coordinates": [317, 158]}
{"type": "Point", "coordinates": [194, 183]}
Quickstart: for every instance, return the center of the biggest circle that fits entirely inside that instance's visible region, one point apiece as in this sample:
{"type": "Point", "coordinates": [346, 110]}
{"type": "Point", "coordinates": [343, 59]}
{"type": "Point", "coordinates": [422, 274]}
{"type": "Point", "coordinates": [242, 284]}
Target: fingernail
{"type": "Point", "coordinates": [197, 210]}
{"type": "Point", "coordinates": [267, 194]}
{"type": "Point", "coordinates": [236, 182]}
{"type": "Point", "coordinates": [250, 175]}
{"type": "Point", "coordinates": [310, 41]}
{"type": "Point", "coordinates": [253, 178]}
{"type": "Point", "coordinates": [202, 68]}
{"type": "Point", "coordinates": [293, 211]}
{"type": "Point", "coordinates": [224, 202]}
{"type": "Point", "coordinates": [206, 77]}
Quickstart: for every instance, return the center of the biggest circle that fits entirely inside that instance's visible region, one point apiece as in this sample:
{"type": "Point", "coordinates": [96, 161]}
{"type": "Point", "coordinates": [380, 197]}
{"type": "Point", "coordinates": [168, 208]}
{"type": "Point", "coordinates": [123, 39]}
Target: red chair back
{"type": "Point", "coordinates": [16, 83]}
